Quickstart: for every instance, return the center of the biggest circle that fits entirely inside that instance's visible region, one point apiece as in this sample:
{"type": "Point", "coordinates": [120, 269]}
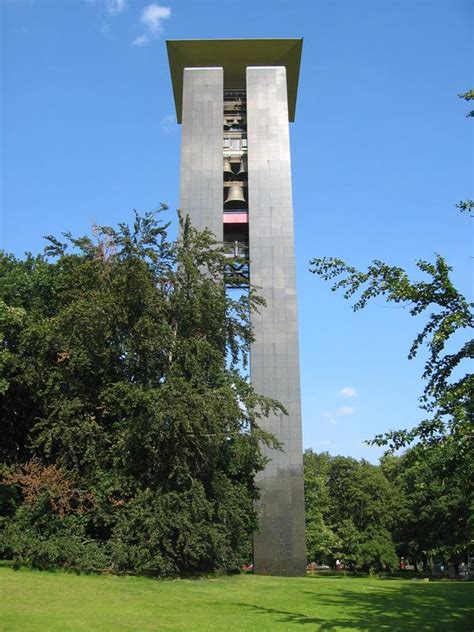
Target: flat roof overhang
{"type": "Point", "coordinates": [234, 55]}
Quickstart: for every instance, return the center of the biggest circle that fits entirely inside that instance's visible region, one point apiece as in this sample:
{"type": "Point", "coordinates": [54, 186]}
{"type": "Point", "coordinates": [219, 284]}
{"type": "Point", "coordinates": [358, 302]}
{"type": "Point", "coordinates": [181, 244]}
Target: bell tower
{"type": "Point", "coordinates": [235, 99]}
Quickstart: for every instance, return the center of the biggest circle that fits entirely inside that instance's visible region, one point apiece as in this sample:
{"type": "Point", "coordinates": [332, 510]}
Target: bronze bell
{"type": "Point", "coordinates": [242, 172]}
{"type": "Point", "coordinates": [235, 196]}
{"type": "Point", "coordinates": [228, 172]}
{"type": "Point", "coordinates": [235, 125]}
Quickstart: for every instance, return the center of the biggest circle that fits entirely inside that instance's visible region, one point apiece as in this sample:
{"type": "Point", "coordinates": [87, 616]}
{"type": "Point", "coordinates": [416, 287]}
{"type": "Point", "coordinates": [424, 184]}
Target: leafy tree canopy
{"type": "Point", "coordinates": [435, 476]}
{"type": "Point", "coordinates": [130, 440]}
{"type": "Point", "coordinates": [351, 509]}
{"type": "Point", "coordinates": [450, 401]}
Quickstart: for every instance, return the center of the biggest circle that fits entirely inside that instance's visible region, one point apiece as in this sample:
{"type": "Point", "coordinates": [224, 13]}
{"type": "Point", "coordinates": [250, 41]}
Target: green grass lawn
{"type": "Point", "coordinates": [39, 600]}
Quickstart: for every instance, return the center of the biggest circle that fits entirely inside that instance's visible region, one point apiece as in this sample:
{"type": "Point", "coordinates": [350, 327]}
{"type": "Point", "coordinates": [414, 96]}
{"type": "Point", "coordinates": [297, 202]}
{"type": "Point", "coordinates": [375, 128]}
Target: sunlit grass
{"type": "Point", "coordinates": [35, 600]}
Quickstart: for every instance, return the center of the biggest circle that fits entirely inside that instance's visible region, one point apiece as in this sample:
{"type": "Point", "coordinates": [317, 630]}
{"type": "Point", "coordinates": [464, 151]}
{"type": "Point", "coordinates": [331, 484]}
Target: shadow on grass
{"type": "Point", "coordinates": [405, 577]}
{"type": "Point", "coordinates": [409, 606]}
{"type": "Point", "coordinates": [153, 576]}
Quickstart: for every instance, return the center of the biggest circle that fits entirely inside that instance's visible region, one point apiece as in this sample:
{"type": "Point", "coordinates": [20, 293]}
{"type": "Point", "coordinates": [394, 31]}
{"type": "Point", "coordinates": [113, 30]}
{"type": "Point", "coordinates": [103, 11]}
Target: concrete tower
{"type": "Point", "coordinates": [235, 99]}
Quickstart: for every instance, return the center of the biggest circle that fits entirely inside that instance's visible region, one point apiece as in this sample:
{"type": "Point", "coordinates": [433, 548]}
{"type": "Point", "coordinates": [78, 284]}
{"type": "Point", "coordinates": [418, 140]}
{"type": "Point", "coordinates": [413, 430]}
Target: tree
{"type": "Point", "coordinates": [412, 505]}
{"type": "Point", "coordinates": [377, 551]}
{"type": "Point", "coordinates": [364, 511]}
{"type": "Point", "coordinates": [120, 356]}
{"type": "Point", "coordinates": [434, 517]}
{"type": "Point", "coordinates": [321, 541]}
{"type": "Point", "coordinates": [468, 96]}
{"type": "Point", "coordinates": [450, 402]}
{"type": "Point", "coordinates": [351, 509]}
{"type": "Point", "coordinates": [445, 436]}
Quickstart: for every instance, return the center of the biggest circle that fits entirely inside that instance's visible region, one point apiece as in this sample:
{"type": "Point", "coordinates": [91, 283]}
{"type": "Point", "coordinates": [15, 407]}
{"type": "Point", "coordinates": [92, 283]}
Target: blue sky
{"type": "Point", "coordinates": [381, 153]}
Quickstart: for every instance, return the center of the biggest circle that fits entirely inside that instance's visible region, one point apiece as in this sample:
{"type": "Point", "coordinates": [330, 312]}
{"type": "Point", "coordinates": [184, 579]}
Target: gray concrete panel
{"type": "Point", "coordinates": [201, 148]}
{"type": "Point", "coordinates": [279, 545]}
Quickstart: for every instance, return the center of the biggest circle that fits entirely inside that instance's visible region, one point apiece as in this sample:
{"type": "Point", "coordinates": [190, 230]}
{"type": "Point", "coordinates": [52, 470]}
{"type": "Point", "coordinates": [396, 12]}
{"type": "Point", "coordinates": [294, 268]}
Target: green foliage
{"type": "Point", "coordinates": [351, 509]}
{"type": "Point", "coordinates": [468, 96]}
{"type": "Point", "coordinates": [437, 513]}
{"type": "Point", "coordinates": [120, 356]}
{"type": "Point", "coordinates": [447, 397]}
{"type": "Point", "coordinates": [322, 543]}
{"type": "Point", "coordinates": [414, 505]}
{"type": "Point", "coordinates": [376, 551]}
{"type": "Point", "coordinates": [434, 521]}
{"type": "Point", "coordinates": [40, 539]}
{"type": "Point", "coordinates": [466, 206]}
{"type": "Point", "coordinates": [450, 401]}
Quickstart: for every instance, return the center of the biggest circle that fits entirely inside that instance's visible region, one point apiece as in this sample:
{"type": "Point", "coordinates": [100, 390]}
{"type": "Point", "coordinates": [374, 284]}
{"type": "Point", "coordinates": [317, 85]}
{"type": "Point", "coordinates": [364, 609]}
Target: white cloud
{"type": "Point", "coordinates": [348, 391]}
{"type": "Point", "coordinates": [152, 16]}
{"type": "Point", "coordinates": [168, 123]}
{"type": "Point", "coordinates": [141, 40]}
{"type": "Point", "coordinates": [343, 411]}
{"type": "Point", "coordinates": [333, 416]}
{"type": "Point", "coordinates": [114, 7]}
{"type": "Point", "coordinates": [105, 29]}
